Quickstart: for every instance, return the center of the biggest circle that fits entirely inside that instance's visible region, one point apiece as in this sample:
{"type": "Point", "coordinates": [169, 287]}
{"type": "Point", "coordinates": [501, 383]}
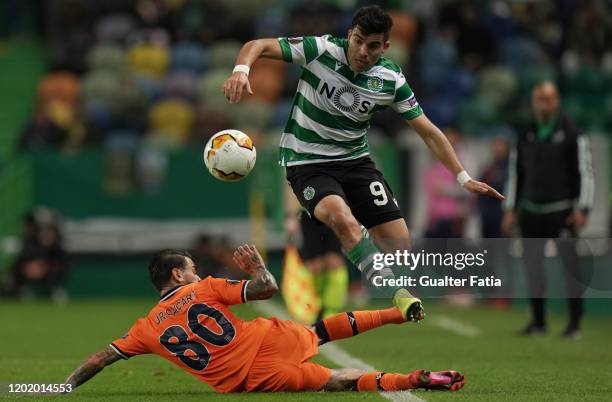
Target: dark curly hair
{"type": "Point", "coordinates": [372, 20]}
{"type": "Point", "coordinates": [160, 267]}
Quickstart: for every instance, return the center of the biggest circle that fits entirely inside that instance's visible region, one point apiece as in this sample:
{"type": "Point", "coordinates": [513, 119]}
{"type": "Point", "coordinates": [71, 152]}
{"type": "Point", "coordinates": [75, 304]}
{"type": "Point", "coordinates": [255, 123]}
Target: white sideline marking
{"type": "Point", "coordinates": [336, 354]}
{"type": "Point", "coordinates": [454, 326]}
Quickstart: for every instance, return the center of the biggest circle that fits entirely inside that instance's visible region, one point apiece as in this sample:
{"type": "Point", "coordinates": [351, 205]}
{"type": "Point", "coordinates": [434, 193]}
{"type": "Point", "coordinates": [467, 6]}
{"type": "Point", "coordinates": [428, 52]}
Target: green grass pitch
{"type": "Point", "coordinates": [42, 343]}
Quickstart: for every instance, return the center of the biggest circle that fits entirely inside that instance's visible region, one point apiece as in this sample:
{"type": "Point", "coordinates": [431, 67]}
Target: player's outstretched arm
{"type": "Point", "coordinates": [439, 145]}
{"type": "Point", "coordinates": [92, 366]}
{"type": "Point", "coordinates": [238, 82]}
{"type": "Point", "coordinates": [262, 285]}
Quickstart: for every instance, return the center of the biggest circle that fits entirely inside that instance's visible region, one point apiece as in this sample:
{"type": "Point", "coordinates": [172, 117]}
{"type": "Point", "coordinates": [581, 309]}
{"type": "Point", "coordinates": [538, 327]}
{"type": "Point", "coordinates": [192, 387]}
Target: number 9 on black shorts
{"type": "Point", "coordinates": [362, 186]}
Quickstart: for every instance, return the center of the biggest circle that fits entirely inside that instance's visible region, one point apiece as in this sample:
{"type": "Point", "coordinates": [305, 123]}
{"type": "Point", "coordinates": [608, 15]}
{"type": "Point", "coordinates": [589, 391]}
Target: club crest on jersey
{"type": "Point", "coordinates": [309, 193]}
{"type": "Point", "coordinates": [375, 84]}
{"type": "Point", "coordinates": [346, 99]}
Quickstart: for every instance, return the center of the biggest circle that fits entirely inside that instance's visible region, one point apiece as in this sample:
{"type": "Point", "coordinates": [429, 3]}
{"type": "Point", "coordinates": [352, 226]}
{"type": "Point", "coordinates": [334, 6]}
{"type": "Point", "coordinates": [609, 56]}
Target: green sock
{"type": "Point", "coordinates": [336, 288]}
{"type": "Point", "coordinates": [319, 282]}
{"type": "Point", "coordinates": [362, 256]}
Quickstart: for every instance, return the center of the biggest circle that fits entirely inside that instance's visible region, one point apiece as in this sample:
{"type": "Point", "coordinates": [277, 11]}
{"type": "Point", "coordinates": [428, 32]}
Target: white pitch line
{"type": "Point", "coordinates": [452, 325]}
{"type": "Point", "coordinates": [336, 354]}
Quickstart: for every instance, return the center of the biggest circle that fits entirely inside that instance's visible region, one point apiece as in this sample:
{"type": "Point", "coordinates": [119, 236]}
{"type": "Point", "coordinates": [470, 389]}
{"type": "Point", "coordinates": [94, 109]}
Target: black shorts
{"type": "Point", "coordinates": [318, 240]}
{"type": "Point", "coordinates": [362, 186]}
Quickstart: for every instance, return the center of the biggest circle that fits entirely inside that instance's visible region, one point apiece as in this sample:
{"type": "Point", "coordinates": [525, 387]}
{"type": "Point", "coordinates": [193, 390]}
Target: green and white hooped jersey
{"type": "Point", "coordinates": [333, 105]}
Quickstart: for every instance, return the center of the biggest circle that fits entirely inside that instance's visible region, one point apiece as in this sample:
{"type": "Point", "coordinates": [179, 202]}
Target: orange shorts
{"type": "Point", "coordinates": [282, 362]}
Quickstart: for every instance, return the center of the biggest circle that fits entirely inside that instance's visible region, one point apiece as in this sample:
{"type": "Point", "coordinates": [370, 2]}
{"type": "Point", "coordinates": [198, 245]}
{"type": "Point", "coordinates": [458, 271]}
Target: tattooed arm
{"type": "Point", "coordinates": [262, 285]}
{"type": "Point", "coordinates": [92, 366]}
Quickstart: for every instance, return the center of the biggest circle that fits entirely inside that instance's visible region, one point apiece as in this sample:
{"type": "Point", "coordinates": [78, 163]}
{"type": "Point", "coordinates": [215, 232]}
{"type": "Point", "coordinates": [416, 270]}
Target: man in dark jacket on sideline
{"type": "Point", "coordinates": [550, 192]}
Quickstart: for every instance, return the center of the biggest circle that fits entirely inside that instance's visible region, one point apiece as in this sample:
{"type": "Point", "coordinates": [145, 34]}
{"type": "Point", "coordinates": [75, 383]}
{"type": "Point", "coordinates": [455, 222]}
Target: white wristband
{"type": "Point", "coordinates": [242, 68]}
{"type": "Point", "coordinates": [463, 177]}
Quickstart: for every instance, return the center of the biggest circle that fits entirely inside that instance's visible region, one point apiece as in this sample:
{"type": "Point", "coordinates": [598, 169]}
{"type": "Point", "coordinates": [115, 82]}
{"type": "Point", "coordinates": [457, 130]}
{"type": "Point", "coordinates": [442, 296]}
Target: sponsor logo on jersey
{"type": "Point", "coordinates": [346, 99]}
{"type": "Point", "coordinates": [295, 40]}
{"type": "Point", "coordinates": [309, 193]}
{"type": "Point", "coordinates": [232, 281]}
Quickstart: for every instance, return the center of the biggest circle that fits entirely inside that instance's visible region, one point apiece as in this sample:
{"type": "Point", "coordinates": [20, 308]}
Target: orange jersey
{"type": "Point", "coordinates": [193, 327]}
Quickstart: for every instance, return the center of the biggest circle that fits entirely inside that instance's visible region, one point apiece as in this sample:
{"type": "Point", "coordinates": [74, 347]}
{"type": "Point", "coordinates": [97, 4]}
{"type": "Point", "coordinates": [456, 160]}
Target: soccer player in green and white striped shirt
{"type": "Point", "coordinates": [324, 145]}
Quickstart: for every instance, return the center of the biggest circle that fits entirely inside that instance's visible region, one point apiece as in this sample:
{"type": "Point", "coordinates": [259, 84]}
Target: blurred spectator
{"type": "Point", "coordinates": [446, 210]}
{"type": "Point", "coordinates": [404, 29]}
{"type": "Point", "coordinates": [60, 86]}
{"type": "Point", "coordinates": [445, 201]}
{"type": "Point", "coordinates": [42, 131]}
{"type": "Point", "coordinates": [213, 256]}
{"type": "Point", "coordinates": [491, 213]}
{"type": "Point", "coordinates": [591, 32]}
{"type": "Point", "coordinates": [314, 18]}
{"type": "Point", "coordinates": [495, 173]}
{"type": "Point", "coordinates": [42, 264]}
{"type": "Point", "coordinates": [474, 41]}
{"type": "Point", "coordinates": [472, 63]}
{"type": "Point", "coordinates": [70, 33]}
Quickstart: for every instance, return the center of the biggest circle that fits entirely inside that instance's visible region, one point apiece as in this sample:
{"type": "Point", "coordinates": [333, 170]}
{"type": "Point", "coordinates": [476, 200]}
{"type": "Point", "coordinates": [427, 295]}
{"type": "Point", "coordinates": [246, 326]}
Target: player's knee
{"type": "Point", "coordinates": [343, 380]}
{"type": "Point", "coordinates": [345, 226]}
{"type": "Point", "coordinates": [314, 265]}
{"type": "Point", "coordinates": [334, 260]}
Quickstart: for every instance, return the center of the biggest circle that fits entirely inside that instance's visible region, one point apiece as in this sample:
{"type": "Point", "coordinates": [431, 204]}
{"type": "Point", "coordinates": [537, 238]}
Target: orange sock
{"type": "Point", "coordinates": [378, 381]}
{"type": "Point", "coordinates": [395, 382]}
{"type": "Point", "coordinates": [345, 325]}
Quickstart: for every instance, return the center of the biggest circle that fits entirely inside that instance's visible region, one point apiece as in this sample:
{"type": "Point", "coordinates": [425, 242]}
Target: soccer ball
{"type": "Point", "coordinates": [230, 155]}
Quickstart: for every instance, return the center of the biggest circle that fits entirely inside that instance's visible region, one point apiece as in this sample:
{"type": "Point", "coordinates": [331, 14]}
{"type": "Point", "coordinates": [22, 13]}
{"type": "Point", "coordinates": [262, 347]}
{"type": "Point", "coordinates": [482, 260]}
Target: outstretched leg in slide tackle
{"type": "Point", "coordinates": [346, 325]}
{"type": "Point", "coordinates": [362, 381]}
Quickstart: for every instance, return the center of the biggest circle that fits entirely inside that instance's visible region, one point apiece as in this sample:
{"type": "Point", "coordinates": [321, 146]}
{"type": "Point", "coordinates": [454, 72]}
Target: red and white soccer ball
{"type": "Point", "coordinates": [230, 155]}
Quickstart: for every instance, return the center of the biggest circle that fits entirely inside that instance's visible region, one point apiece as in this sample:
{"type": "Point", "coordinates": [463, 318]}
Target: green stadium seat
{"type": "Point", "coordinates": [498, 84]}
{"type": "Point", "coordinates": [252, 115]}
{"type": "Point", "coordinates": [475, 115]}
{"type": "Point", "coordinates": [210, 87]}
{"type": "Point", "coordinates": [586, 80]}
{"type": "Point", "coordinates": [107, 57]}
{"type": "Point", "coordinates": [398, 54]}
{"type": "Point", "coordinates": [101, 86]}
{"type": "Point", "coordinates": [223, 54]}
{"type": "Point", "coordinates": [530, 76]}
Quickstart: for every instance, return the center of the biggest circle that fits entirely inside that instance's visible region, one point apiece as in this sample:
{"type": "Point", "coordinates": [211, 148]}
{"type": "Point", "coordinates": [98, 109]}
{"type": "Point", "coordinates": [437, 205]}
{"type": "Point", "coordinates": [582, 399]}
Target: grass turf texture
{"type": "Point", "coordinates": [42, 343]}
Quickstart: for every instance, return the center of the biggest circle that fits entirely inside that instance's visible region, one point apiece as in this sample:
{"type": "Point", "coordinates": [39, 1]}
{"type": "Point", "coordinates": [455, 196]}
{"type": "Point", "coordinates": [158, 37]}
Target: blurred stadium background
{"type": "Point", "coordinates": [105, 107]}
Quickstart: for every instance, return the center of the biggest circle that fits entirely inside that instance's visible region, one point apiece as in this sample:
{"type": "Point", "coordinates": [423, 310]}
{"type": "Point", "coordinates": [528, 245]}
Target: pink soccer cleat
{"type": "Point", "coordinates": [438, 380]}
